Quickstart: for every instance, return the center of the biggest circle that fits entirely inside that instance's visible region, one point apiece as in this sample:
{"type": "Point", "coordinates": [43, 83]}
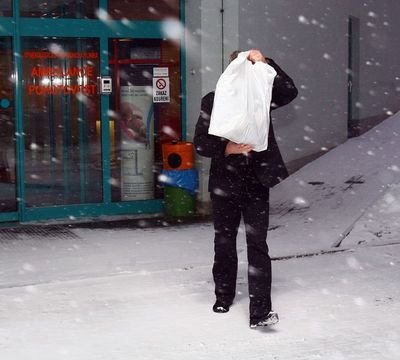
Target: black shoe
{"type": "Point", "coordinates": [221, 307]}
{"type": "Point", "coordinates": [271, 319]}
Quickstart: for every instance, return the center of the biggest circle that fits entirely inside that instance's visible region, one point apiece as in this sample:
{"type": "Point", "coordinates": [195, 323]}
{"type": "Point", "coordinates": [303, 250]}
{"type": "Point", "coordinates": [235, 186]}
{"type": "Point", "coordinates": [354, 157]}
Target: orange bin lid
{"type": "Point", "coordinates": [178, 155]}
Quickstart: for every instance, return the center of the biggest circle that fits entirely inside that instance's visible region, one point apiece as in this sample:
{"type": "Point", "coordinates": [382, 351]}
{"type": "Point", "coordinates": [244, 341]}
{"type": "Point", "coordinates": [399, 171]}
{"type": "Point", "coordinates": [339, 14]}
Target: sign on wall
{"type": "Point", "coordinates": [161, 85]}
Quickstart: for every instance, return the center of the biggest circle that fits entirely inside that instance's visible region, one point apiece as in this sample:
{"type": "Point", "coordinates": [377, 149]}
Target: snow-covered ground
{"type": "Point", "coordinates": [146, 293]}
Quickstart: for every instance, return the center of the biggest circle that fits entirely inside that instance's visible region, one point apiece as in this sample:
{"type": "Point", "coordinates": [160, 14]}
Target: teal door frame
{"type": "Point", "coordinates": [18, 27]}
{"type": "Point", "coordinates": [7, 30]}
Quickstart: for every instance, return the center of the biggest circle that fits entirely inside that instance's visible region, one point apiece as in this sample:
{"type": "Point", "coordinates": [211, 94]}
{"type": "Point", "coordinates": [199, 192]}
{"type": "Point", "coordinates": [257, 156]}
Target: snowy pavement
{"type": "Point", "coordinates": [336, 306]}
{"type": "Point", "coordinates": [146, 293]}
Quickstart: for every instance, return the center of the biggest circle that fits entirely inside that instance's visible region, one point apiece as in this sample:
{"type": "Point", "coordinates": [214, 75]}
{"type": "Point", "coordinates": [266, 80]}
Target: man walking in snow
{"type": "Point", "coordinates": [239, 185]}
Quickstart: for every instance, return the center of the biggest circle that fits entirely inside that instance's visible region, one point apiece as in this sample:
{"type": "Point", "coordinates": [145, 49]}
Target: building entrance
{"type": "Point", "coordinates": [61, 105]}
{"type": "Point", "coordinates": [84, 113]}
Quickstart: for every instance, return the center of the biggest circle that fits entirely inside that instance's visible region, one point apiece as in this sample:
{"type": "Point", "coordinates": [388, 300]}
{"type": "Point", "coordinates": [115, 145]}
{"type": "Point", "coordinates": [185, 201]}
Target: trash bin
{"type": "Point", "coordinates": [179, 202]}
{"type": "Point", "coordinates": [180, 178]}
{"type": "Point", "coordinates": [178, 155]}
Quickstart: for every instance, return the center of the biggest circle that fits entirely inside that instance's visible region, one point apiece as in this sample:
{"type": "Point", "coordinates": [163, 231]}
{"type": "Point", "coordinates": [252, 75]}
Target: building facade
{"type": "Point", "coordinates": [90, 90]}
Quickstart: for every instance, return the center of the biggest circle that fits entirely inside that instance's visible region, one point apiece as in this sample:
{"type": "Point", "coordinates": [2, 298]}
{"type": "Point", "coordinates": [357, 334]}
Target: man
{"type": "Point", "coordinates": [239, 185]}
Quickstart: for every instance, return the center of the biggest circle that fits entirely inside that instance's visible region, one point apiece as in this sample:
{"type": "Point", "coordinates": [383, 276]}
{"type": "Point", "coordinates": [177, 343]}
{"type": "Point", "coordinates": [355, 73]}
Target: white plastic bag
{"type": "Point", "coordinates": [242, 102]}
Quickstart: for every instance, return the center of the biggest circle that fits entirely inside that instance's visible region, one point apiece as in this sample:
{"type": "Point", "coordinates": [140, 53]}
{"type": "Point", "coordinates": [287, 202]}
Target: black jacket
{"type": "Point", "coordinates": [268, 165]}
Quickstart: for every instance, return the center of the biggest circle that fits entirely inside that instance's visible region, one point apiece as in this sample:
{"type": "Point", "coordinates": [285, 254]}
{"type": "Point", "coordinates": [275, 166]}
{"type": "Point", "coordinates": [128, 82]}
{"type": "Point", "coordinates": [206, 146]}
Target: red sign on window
{"type": "Point", "coordinates": [57, 80]}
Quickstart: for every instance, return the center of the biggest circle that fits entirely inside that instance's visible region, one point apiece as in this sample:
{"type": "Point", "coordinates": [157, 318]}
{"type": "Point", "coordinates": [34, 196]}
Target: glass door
{"type": "Point", "coordinates": [8, 193]}
{"type": "Point", "coordinates": [61, 121]}
{"type": "Point", "coordinates": [140, 118]}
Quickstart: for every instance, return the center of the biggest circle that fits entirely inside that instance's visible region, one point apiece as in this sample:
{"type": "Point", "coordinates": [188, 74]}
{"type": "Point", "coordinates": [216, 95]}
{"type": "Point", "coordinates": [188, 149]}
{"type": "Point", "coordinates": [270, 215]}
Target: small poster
{"type": "Point", "coordinates": [137, 144]}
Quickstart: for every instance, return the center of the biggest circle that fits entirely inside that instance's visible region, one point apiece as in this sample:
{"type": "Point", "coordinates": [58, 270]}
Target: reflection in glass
{"type": "Point", "coordinates": [8, 196]}
{"type": "Point", "coordinates": [54, 9]}
{"type": "Point", "coordinates": [61, 116]}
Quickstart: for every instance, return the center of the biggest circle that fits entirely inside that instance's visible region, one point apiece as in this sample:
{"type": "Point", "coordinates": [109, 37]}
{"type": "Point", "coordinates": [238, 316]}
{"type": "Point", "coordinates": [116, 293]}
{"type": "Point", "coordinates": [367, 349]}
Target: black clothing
{"type": "Point", "coordinates": [239, 185]}
{"type": "Point", "coordinates": [268, 164]}
{"type": "Point", "coordinates": [227, 212]}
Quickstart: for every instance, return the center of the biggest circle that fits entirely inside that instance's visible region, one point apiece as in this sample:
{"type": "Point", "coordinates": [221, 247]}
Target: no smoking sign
{"type": "Point", "coordinates": [161, 89]}
{"type": "Point", "coordinates": [161, 84]}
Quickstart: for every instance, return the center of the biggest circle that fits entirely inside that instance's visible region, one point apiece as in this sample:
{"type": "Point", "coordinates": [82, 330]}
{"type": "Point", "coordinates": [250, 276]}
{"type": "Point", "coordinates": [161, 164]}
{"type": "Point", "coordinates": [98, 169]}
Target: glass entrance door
{"type": "Point", "coordinates": [140, 119]}
{"type": "Point", "coordinates": [8, 193]}
{"type": "Point", "coordinates": [61, 121]}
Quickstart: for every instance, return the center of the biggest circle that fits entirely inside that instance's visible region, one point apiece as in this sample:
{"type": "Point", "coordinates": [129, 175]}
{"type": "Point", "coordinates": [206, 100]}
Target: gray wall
{"type": "Point", "coordinates": [309, 42]}
{"type": "Point", "coordinates": [309, 39]}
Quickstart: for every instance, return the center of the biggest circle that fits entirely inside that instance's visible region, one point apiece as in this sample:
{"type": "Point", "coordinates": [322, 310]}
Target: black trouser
{"type": "Point", "coordinates": [252, 201]}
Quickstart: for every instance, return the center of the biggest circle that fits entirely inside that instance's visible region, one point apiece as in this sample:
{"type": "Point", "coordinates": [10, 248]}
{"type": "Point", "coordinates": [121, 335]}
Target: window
{"type": "Point", "coordinates": [143, 10]}
{"type": "Point", "coordinates": [55, 9]}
